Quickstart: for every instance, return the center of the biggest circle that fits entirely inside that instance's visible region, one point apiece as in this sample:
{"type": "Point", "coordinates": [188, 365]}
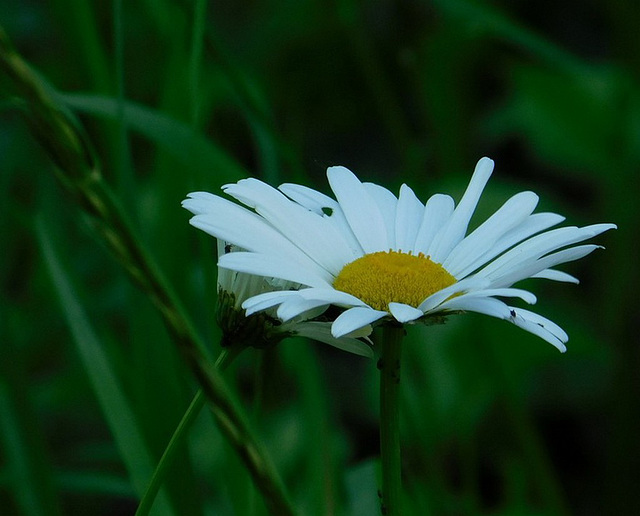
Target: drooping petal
{"type": "Point", "coordinates": [331, 296]}
{"type": "Point", "coordinates": [355, 318]}
{"type": "Point", "coordinates": [267, 300]}
{"type": "Point", "coordinates": [524, 319]}
{"type": "Point", "coordinates": [321, 332]}
{"type": "Point", "coordinates": [295, 306]}
{"type": "Point", "coordinates": [311, 297]}
{"type": "Point", "coordinates": [483, 305]}
{"type": "Point", "coordinates": [540, 326]}
{"type": "Point", "coordinates": [404, 313]}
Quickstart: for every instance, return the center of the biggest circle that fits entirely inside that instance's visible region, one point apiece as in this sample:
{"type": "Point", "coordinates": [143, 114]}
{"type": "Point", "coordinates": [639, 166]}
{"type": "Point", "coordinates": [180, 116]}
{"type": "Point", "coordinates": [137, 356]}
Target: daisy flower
{"type": "Point", "coordinates": [383, 258]}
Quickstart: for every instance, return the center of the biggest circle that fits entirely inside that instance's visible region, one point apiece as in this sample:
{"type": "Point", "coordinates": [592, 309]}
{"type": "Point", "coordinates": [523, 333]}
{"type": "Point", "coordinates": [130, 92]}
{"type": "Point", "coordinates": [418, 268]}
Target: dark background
{"type": "Point", "coordinates": [495, 421]}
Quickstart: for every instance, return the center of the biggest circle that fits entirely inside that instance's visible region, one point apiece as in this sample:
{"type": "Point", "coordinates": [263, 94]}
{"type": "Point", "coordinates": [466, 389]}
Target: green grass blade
{"type": "Point", "coordinates": [106, 385]}
{"type": "Point", "coordinates": [178, 439]}
{"type": "Point", "coordinates": [175, 137]}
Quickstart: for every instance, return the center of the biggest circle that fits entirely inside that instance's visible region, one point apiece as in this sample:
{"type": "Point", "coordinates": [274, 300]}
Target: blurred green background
{"type": "Point", "coordinates": [179, 96]}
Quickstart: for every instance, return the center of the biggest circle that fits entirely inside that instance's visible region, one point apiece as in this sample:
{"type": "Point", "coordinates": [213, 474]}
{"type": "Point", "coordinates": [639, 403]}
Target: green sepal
{"type": "Point", "coordinates": [256, 330]}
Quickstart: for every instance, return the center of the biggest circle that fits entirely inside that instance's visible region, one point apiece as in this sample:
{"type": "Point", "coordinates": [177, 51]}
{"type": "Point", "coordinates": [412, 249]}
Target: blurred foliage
{"type": "Point", "coordinates": [179, 96]}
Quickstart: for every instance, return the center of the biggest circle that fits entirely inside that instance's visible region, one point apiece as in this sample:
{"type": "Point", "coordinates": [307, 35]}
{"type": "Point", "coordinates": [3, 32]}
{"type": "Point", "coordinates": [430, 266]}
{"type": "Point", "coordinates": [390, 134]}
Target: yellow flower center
{"type": "Point", "coordinates": [389, 276]}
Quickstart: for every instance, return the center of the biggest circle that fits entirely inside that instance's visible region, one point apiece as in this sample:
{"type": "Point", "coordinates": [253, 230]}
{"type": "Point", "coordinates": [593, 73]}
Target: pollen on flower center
{"type": "Point", "coordinates": [390, 276]}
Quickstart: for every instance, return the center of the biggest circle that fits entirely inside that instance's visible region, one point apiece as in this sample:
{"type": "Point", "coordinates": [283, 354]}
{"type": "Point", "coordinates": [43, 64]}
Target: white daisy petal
{"type": "Point", "coordinates": [408, 218]}
{"type": "Point", "coordinates": [483, 305]}
{"type": "Point", "coordinates": [321, 332]}
{"type": "Point", "coordinates": [540, 326]}
{"type": "Point", "coordinates": [306, 229]}
{"type": "Point", "coordinates": [338, 219]}
{"type": "Point", "coordinates": [467, 284]}
{"type": "Point", "coordinates": [326, 207]}
{"type": "Point", "coordinates": [457, 225]}
{"type": "Point", "coordinates": [554, 275]}
{"type": "Point", "coordinates": [532, 225]}
{"type": "Point", "coordinates": [524, 270]}
{"type": "Point", "coordinates": [524, 319]}
{"type": "Point", "coordinates": [510, 215]}
{"type": "Point", "coordinates": [308, 197]}
{"type": "Point", "coordinates": [273, 267]}
{"type": "Point", "coordinates": [200, 202]}
{"type": "Point", "coordinates": [360, 209]}
{"type": "Point", "coordinates": [309, 315]}
{"type": "Point", "coordinates": [331, 296]}
{"type": "Point", "coordinates": [267, 300]}
{"type": "Point", "coordinates": [525, 295]}
{"type": "Point", "coordinates": [437, 212]}
{"type": "Point", "coordinates": [538, 246]}
{"type": "Point", "coordinates": [404, 313]}
{"type": "Point", "coordinates": [295, 306]}
{"type": "Point", "coordinates": [354, 319]}
{"type": "Point", "coordinates": [543, 322]}
{"type": "Point", "coordinates": [313, 296]}
{"type": "Point", "coordinates": [232, 223]}
{"type": "Point", "coordinates": [387, 203]}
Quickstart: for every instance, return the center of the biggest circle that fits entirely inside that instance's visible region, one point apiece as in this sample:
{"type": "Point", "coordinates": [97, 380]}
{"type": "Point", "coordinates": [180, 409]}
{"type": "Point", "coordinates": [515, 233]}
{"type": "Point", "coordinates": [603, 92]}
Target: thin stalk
{"type": "Point", "coordinates": [79, 173]}
{"type": "Point", "coordinates": [262, 374]}
{"type": "Point", "coordinates": [389, 366]}
{"type": "Point", "coordinates": [177, 439]}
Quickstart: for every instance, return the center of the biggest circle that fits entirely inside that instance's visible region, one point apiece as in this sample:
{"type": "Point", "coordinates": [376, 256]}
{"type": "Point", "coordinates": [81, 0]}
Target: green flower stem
{"type": "Point", "coordinates": [389, 366]}
{"type": "Point", "coordinates": [166, 460]}
{"type": "Point", "coordinates": [178, 437]}
{"type": "Point", "coordinates": [79, 173]}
